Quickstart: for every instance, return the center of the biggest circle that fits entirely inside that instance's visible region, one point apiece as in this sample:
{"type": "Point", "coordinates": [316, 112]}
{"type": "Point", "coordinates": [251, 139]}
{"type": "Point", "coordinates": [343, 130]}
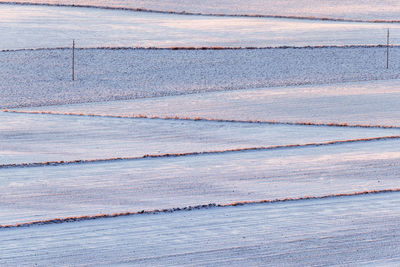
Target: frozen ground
{"type": "Point", "coordinates": [344, 9]}
{"type": "Point", "coordinates": [43, 77]}
{"type": "Point", "coordinates": [361, 230]}
{"type": "Point", "coordinates": [47, 192]}
{"type": "Point", "coordinates": [42, 138]}
{"type": "Point", "coordinates": [45, 26]}
{"type": "Point", "coordinates": [339, 85]}
{"type": "Point", "coordinates": [364, 103]}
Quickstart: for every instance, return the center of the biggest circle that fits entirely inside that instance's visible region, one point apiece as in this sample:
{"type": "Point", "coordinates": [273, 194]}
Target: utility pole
{"type": "Point", "coordinates": [387, 50]}
{"type": "Point", "coordinates": [73, 60]}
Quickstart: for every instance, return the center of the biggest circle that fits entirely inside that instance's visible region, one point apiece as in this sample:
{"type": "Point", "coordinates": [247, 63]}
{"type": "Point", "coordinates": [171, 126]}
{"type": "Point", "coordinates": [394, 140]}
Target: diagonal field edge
{"type": "Point", "coordinates": [141, 116]}
{"type": "Point", "coordinates": [189, 208]}
{"type": "Point", "coordinates": [204, 14]}
{"type": "Point", "coordinates": [187, 154]}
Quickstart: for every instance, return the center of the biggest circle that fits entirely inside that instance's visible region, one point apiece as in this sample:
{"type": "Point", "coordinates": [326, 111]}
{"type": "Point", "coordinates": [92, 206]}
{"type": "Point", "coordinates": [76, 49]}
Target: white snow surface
{"type": "Point", "coordinates": [336, 9]}
{"type": "Point", "coordinates": [344, 85]}
{"type": "Point", "coordinates": [42, 138]}
{"type": "Point", "coordinates": [355, 231]}
{"type": "Point", "coordinates": [363, 103]}
{"type": "Point", "coordinates": [46, 26]}
{"type": "Point", "coordinates": [43, 77]}
{"type": "Point", "coordinates": [40, 193]}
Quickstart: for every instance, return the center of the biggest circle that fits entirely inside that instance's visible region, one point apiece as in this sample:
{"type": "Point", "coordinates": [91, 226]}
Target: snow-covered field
{"type": "Point", "coordinates": [372, 103]}
{"type": "Point", "coordinates": [43, 77]}
{"type": "Point", "coordinates": [48, 192]}
{"type": "Point", "coordinates": [160, 157]}
{"type": "Point", "coordinates": [335, 9]}
{"type": "Point", "coordinates": [45, 26]}
{"type": "Point", "coordinates": [43, 138]}
{"type": "Point", "coordinates": [352, 231]}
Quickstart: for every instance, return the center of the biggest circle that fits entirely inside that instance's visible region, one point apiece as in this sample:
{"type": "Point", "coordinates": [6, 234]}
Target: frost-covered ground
{"type": "Point", "coordinates": [354, 231]}
{"type": "Point", "coordinates": [354, 103]}
{"type": "Point", "coordinates": [43, 77]}
{"type": "Point", "coordinates": [48, 192]}
{"type": "Point", "coordinates": [310, 189]}
{"type": "Point", "coordinates": [336, 9]}
{"type": "Point", "coordinates": [41, 138]}
{"type": "Point", "coordinates": [44, 26]}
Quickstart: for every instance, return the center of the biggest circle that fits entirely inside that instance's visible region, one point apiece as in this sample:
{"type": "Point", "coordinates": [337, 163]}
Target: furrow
{"type": "Point", "coordinates": [186, 154]}
{"type": "Point", "coordinates": [142, 116]}
{"type": "Point", "coordinates": [189, 208]}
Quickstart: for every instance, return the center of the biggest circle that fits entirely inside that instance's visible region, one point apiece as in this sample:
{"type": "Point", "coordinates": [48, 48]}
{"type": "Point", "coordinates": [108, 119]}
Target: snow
{"type": "Point", "coordinates": [28, 27]}
{"type": "Point", "coordinates": [43, 77]}
{"type": "Point", "coordinates": [39, 193]}
{"type": "Point", "coordinates": [42, 138]}
{"type": "Point", "coordinates": [364, 103]}
{"type": "Point", "coordinates": [335, 9]}
{"type": "Point", "coordinates": [298, 128]}
{"type": "Point", "coordinates": [360, 230]}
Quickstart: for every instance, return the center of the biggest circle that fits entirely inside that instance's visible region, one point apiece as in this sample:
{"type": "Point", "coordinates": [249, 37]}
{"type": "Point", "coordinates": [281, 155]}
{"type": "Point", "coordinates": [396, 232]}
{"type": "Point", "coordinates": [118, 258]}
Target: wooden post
{"type": "Point", "coordinates": [387, 50]}
{"type": "Point", "coordinates": [73, 60]}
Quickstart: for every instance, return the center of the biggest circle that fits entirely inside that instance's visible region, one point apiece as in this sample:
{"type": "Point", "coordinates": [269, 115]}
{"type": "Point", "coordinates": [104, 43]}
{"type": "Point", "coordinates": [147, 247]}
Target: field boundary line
{"type": "Point", "coordinates": [204, 48]}
{"type": "Point", "coordinates": [204, 119]}
{"type": "Point", "coordinates": [195, 207]}
{"type": "Point", "coordinates": [188, 154]}
{"type": "Point", "coordinates": [147, 10]}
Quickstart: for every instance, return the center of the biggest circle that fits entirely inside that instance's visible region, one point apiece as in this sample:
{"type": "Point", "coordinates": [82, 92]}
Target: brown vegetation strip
{"type": "Point", "coordinates": [186, 154]}
{"type": "Point", "coordinates": [197, 207]}
{"type": "Point", "coordinates": [205, 47]}
{"type": "Point", "coordinates": [141, 116]}
{"type": "Point", "coordinates": [205, 14]}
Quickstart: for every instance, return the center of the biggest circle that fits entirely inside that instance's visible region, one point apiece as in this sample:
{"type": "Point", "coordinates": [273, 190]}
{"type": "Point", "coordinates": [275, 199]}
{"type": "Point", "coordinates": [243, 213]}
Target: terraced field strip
{"type": "Point", "coordinates": [48, 192]}
{"type": "Point", "coordinates": [189, 208]}
{"type": "Point", "coordinates": [367, 10]}
{"type": "Point", "coordinates": [44, 139]}
{"type": "Point", "coordinates": [364, 104]}
{"type": "Point", "coordinates": [45, 26]}
{"type": "Point", "coordinates": [155, 117]}
{"type": "Point", "coordinates": [312, 18]}
{"type": "Point", "coordinates": [115, 74]}
{"type": "Point", "coordinates": [354, 230]}
{"type": "Point", "coordinates": [188, 154]}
